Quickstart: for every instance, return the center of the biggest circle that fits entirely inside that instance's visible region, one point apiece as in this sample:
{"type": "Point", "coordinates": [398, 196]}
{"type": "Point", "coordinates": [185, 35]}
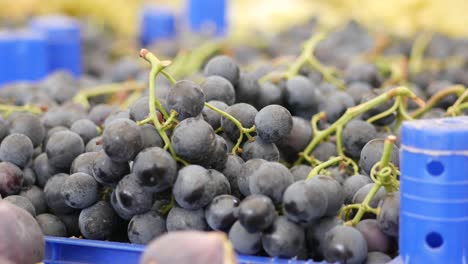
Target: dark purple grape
{"type": "Point", "coordinates": [247, 170]}
{"type": "Point", "coordinates": [304, 201]}
{"type": "Point", "coordinates": [244, 113]}
{"type": "Point", "coordinates": [30, 126]}
{"type": "Point", "coordinates": [108, 172]}
{"type": "Point", "coordinates": [121, 211]}
{"type": "Point", "coordinates": [100, 112]}
{"type": "Point", "coordinates": [139, 110]}
{"type": "Point", "coordinates": [61, 116]}
{"type": "Point", "coordinates": [345, 244]}
{"type": "Point", "coordinates": [80, 190]}
{"type": "Point", "coordinates": [248, 88]}
{"type": "Point", "coordinates": [366, 72]}
{"type": "Point", "coordinates": [21, 202]}
{"type": "Point", "coordinates": [150, 137]}
{"type": "Point", "coordinates": [86, 129]}
{"type": "Point", "coordinates": [270, 94]}
{"type": "Point", "coordinates": [60, 85]}
{"type": "Point", "coordinates": [62, 148]}
{"type": "Point", "coordinates": [259, 149]}
{"type": "Point", "coordinates": [357, 89]}
{"type": "Point", "coordinates": [336, 105]}
{"type": "Point", "coordinates": [352, 184]}
{"type": "Point", "coordinates": [300, 172]}
{"type": "Point", "coordinates": [132, 197]}
{"type": "Point", "coordinates": [53, 195]}
{"type": "Point", "coordinates": [122, 140]}
{"type": "Point", "coordinates": [315, 235]}
{"type": "Point", "coordinates": [356, 134]}
{"type": "Point", "coordinates": [283, 239]}
{"type": "Point", "coordinates": [375, 238]}
{"type": "Point", "coordinates": [145, 227]}
{"type": "Point", "coordinates": [43, 170]}
{"type": "Point", "coordinates": [372, 152]}
{"type": "Point", "coordinates": [11, 178]}
{"type": "Point", "coordinates": [361, 194]}
{"type": "Point", "coordinates": [218, 88]}
{"type": "Point", "coordinates": [95, 144]}
{"type": "Point", "coordinates": [333, 190]}
{"type": "Point", "coordinates": [389, 215]}
{"type": "Point", "coordinates": [302, 96]}
{"type": "Point", "coordinates": [296, 140]}
{"type": "Point", "coordinates": [71, 223]}
{"type": "Point", "coordinates": [223, 66]}
{"type": "Point", "coordinates": [271, 179]}
{"type": "Point", "coordinates": [256, 213]}
{"type": "Point", "coordinates": [232, 170]}
{"type": "Point", "coordinates": [84, 163]}
{"type": "Point", "coordinates": [186, 98]}
{"type": "Point", "coordinates": [17, 149]}
{"type": "Point", "coordinates": [183, 219]}
{"type": "Point", "coordinates": [219, 155]}
{"type": "Point", "coordinates": [97, 221]}
{"type": "Point", "coordinates": [210, 116]}
{"type": "Point", "coordinates": [243, 241]}
{"type": "Point", "coordinates": [51, 225]}
{"type": "Point", "coordinates": [37, 197]}
{"type": "Point", "coordinates": [325, 151]}
{"type": "Point", "coordinates": [29, 177]}
{"type": "Point", "coordinates": [220, 214]}
{"type": "Point", "coordinates": [273, 122]}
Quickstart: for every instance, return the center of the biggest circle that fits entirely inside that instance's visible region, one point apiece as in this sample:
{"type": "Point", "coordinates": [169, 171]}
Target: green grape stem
{"type": "Point", "coordinates": [316, 171]}
{"type": "Point", "coordinates": [456, 108]}
{"type": "Point", "coordinates": [9, 109]}
{"type": "Point", "coordinates": [455, 89]}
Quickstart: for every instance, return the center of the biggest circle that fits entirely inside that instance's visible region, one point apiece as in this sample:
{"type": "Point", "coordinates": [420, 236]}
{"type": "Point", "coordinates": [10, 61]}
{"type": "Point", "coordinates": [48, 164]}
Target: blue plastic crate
{"type": "Point", "coordinates": [80, 251]}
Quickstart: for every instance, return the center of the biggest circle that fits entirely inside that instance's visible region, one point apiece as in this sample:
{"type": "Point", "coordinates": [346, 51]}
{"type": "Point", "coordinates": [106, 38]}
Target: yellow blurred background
{"type": "Point", "coordinates": [401, 17]}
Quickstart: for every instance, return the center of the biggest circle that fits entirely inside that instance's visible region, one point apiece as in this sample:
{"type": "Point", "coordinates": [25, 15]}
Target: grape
{"type": "Point", "coordinates": [270, 94]}
{"type": "Point", "coordinates": [150, 137]}
{"type": "Point", "coordinates": [43, 170]}
{"type": "Point", "coordinates": [122, 140]}
{"type": "Point", "coordinates": [304, 201]}
{"type": "Point", "coordinates": [60, 116]}
{"type": "Point", "coordinates": [333, 191]}
{"type": "Point", "coordinates": [345, 244]}
{"type": "Point", "coordinates": [223, 66]}
{"type": "Point", "coordinates": [315, 235]}
{"type": "Point", "coordinates": [139, 110]}
{"type": "Point", "coordinates": [325, 151]}
{"type": "Point", "coordinates": [389, 215]}
{"type": "Point", "coordinates": [247, 170]}
{"type": "Point", "coordinates": [17, 149]}
{"type": "Point", "coordinates": [86, 129]}
{"type": "Point", "coordinates": [198, 248]}
{"type": "Point", "coordinates": [271, 179]}
{"type": "Point", "coordinates": [300, 172]}
{"type": "Point", "coordinates": [53, 195]}
{"type": "Point", "coordinates": [30, 126]}
{"type": "Point", "coordinates": [124, 69]}
{"type": "Point", "coordinates": [377, 258]}
{"type": "Point", "coordinates": [361, 194]}
{"type": "Point", "coordinates": [259, 149]}
{"type": "Point", "coordinates": [80, 190]}
{"type": "Point", "coordinates": [95, 144]}
{"type": "Point", "coordinates": [220, 154]}
{"type": "Point", "coordinates": [194, 140]}
{"type": "Point", "coordinates": [29, 178]}
{"type": "Point", "coordinates": [62, 148]}
{"type": "Point", "coordinates": [283, 239]}
{"type": "Point", "coordinates": [256, 213]}
{"type": "Point", "coordinates": [366, 72]}
{"type": "Point", "coordinates": [437, 86]}
{"type": "Point", "coordinates": [218, 88]}
{"type": "Point", "coordinates": [248, 88]}
{"type": "Point", "coordinates": [352, 184]}
{"type": "Point", "coordinates": [97, 221]}
{"type": "Point", "coordinates": [22, 202]}
{"type": "Point", "coordinates": [108, 172]}
{"type": "Point", "coordinates": [375, 238]}
{"type": "Point", "coordinates": [336, 105]}
{"type": "Point", "coordinates": [155, 169]}
{"type": "Point", "coordinates": [301, 96]}
{"type": "Point", "coordinates": [326, 88]}
{"type": "Point", "coordinates": [196, 186]}
{"type": "Point", "coordinates": [84, 163]}
{"type": "Point", "coordinates": [132, 197]}
{"type": "Point", "coordinates": [51, 225]}
{"type": "Point", "coordinates": [210, 116]}
{"type": "Point", "coordinates": [220, 214]}
{"type": "Point", "coordinates": [121, 211]}
{"type": "Point", "coordinates": [296, 140]}
{"type": "Point", "coordinates": [60, 85]}
{"type": "Point", "coordinates": [183, 219]}
{"type": "Point", "coordinates": [71, 223]}
{"type": "Point", "coordinates": [186, 98]}
{"type": "Point", "coordinates": [356, 134]}
{"type": "Point", "coordinates": [372, 152]}
{"type": "Point", "coordinates": [244, 113]}
{"type": "Point", "coordinates": [232, 170]}
{"type": "Point", "coordinates": [100, 112]}
{"type": "Point", "coordinates": [146, 227]}
{"type": "Point", "coordinates": [243, 241]}
{"type": "Point", "coordinates": [357, 89]}
{"type": "Point", "coordinates": [36, 196]}
{"type": "Point", "coordinates": [273, 122]}
{"type": "Point", "coordinates": [120, 114]}
{"type": "Point", "coordinates": [21, 240]}
{"type": "Point", "coordinates": [11, 178]}
{"type": "Point", "coordinates": [378, 109]}
{"type": "Point", "coordinates": [4, 129]}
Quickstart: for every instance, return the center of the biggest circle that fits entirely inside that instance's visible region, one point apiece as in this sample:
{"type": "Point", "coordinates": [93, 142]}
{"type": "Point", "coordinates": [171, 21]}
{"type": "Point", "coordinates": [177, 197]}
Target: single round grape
{"type": "Point", "coordinates": [345, 244]}
{"type": "Point", "coordinates": [302, 95]}
{"type": "Point", "coordinates": [132, 197]}
{"type": "Point", "coordinates": [248, 88]}
{"type": "Point", "coordinates": [119, 209]}
{"type": "Point", "coordinates": [247, 170]}
{"type": "Point", "coordinates": [300, 172]}
{"type": "Point", "coordinates": [218, 88]}
{"type": "Point", "coordinates": [315, 235]}
{"type": "Point", "coordinates": [271, 179]}
{"type": "Point", "coordinates": [97, 221]}
{"type": "Point", "coordinates": [377, 258]}
{"type": "Point", "coordinates": [183, 219]}
{"type": "Point", "coordinates": [243, 241]}
{"type": "Point", "coordinates": [356, 134]}
{"type": "Point", "coordinates": [256, 213]}
{"type": "Point", "coordinates": [120, 114]}
{"type": "Point", "coordinates": [223, 66]}
{"type": "Point", "coordinates": [304, 201]}
{"type": "Point", "coordinates": [29, 125]}
{"type": "Point", "coordinates": [29, 177]}
{"type": "Point", "coordinates": [80, 190]}
{"type": "Point", "coordinates": [219, 155]}
{"type": "Point", "coordinates": [145, 227]}
{"type": "Point", "coordinates": [325, 151]}
{"type": "Point", "coordinates": [51, 225]}
{"type": "Point", "coordinates": [139, 109]}
{"type": "Point", "coordinates": [61, 116]}
{"type": "Point", "coordinates": [389, 215]}
{"type": "Point", "coordinates": [210, 116]}
{"type": "Point", "coordinates": [244, 113]}
{"type": "Point", "coordinates": [186, 98]}
{"type": "Point", "coordinates": [194, 140]}
{"type": "Point", "coordinates": [100, 112]}
{"type": "Point", "coordinates": [11, 178]}
{"type": "Point", "coordinates": [378, 109]}
{"type": "Point", "coordinates": [296, 140]}
{"type": "Point", "coordinates": [43, 170]}
{"type": "Point", "coordinates": [270, 94]}
{"type": "Point", "coordinates": [17, 149]}
{"type": "Point", "coordinates": [284, 239]}
{"type": "Point", "coordinates": [273, 122]}
{"type": "Point", "coordinates": [53, 195]}
{"type": "Point", "coordinates": [361, 194]}
{"type": "Point", "coordinates": [22, 202]}
{"type": "Point", "coordinates": [62, 148]}
{"type": "Point", "coordinates": [122, 140]}
{"type": "Point", "coordinates": [84, 163]}
{"type": "Point", "coordinates": [375, 238]}
{"type": "Point", "coordinates": [333, 191]}
{"type": "Point", "coordinates": [150, 137]}
{"type": "Point", "coordinates": [357, 89]}
{"type": "Point", "coordinates": [155, 169]}
{"type": "Point", "coordinates": [232, 170]}
{"type": "Point", "coordinates": [108, 172]}
{"type": "Point", "coordinates": [60, 85]}
{"type": "Point", "coordinates": [259, 149]}
{"type": "Point", "coordinates": [220, 214]}
{"type": "Point", "coordinates": [335, 105]}
{"type": "Point", "coordinates": [37, 197]}
{"type": "Point", "coordinates": [372, 152]}
{"type": "Point", "coordinates": [352, 184]}
{"type": "Point", "coordinates": [94, 145]}
{"type": "Point", "coordinates": [86, 129]}
{"type": "Point", "coordinates": [365, 72]}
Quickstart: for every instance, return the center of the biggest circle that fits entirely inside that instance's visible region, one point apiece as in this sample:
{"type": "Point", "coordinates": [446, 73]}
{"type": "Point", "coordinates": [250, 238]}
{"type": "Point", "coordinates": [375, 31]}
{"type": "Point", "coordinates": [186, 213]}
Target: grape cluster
{"type": "Point", "coordinates": [288, 161]}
